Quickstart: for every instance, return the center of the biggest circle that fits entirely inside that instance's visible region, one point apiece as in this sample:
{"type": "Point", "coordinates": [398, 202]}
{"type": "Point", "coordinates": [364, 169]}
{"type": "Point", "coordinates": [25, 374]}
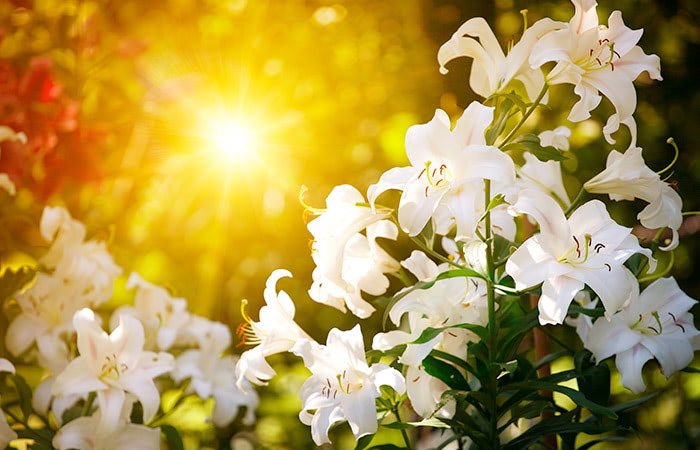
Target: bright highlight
{"type": "Point", "coordinates": [231, 138]}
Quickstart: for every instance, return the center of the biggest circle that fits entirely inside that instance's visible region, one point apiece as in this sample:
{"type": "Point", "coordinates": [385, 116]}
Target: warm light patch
{"type": "Point", "coordinates": [233, 139]}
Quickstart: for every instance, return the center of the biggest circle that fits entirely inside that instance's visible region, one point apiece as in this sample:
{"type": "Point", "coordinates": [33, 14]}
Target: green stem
{"type": "Point", "coordinates": [403, 431]}
{"type": "Point", "coordinates": [36, 436]}
{"type": "Point", "coordinates": [435, 254]}
{"type": "Point", "coordinates": [493, 326]}
{"type": "Point", "coordinates": [575, 203]}
{"type": "Point", "coordinates": [88, 404]}
{"type": "Point", "coordinates": [525, 117]}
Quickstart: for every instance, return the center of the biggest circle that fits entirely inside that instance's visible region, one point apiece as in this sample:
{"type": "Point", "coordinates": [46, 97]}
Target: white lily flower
{"type": "Point", "coordinates": [342, 385]}
{"type": "Point", "coordinates": [275, 332]}
{"type": "Point", "coordinates": [626, 177]}
{"type": "Point", "coordinates": [161, 314]}
{"type": "Point", "coordinates": [448, 302]}
{"type": "Point", "coordinates": [335, 226]}
{"type": "Point", "coordinates": [447, 172]}
{"type": "Point", "coordinates": [588, 249]}
{"type": "Point", "coordinates": [557, 138]}
{"type": "Point", "coordinates": [595, 58]}
{"type": "Point", "coordinates": [111, 365]}
{"type": "Point", "coordinates": [492, 71]}
{"type": "Point", "coordinates": [7, 434]}
{"type": "Point", "coordinates": [656, 325]}
{"type": "Point", "coordinates": [213, 375]}
{"type": "Point", "coordinates": [79, 275]}
{"type": "Point", "coordinates": [84, 433]}
{"type": "Point", "coordinates": [364, 266]}
{"type": "Point", "coordinates": [544, 176]}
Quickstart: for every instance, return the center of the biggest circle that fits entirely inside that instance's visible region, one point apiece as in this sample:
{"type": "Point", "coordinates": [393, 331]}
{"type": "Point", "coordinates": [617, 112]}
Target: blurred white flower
{"type": "Point", "coordinates": [158, 311]}
{"type": "Point", "coordinates": [597, 58]}
{"type": "Point", "coordinates": [557, 138]}
{"type": "Point", "coordinates": [445, 180]}
{"type": "Point", "coordinates": [7, 434]}
{"type": "Point", "coordinates": [275, 332]}
{"type": "Point", "coordinates": [342, 386]}
{"type": "Point", "coordinates": [212, 374]}
{"type": "Point", "coordinates": [626, 177]}
{"type": "Point", "coordinates": [111, 365]}
{"type": "Point", "coordinates": [77, 275]}
{"type": "Point", "coordinates": [364, 265]}
{"type": "Point", "coordinates": [84, 433]}
{"type": "Point", "coordinates": [658, 325]}
{"type": "Point", "coordinates": [588, 249]}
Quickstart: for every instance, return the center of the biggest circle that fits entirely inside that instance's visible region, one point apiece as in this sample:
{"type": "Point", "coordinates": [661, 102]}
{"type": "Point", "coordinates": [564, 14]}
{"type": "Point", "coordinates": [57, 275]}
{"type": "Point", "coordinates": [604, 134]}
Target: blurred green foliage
{"type": "Point", "coordinates": [328, 89]}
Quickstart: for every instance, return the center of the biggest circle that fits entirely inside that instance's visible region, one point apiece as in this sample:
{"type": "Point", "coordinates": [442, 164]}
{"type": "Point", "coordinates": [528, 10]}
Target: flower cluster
{"type": "Point", "coordinates": [473, 185]}
{"type": "Point", "coordinates": [93, 379]}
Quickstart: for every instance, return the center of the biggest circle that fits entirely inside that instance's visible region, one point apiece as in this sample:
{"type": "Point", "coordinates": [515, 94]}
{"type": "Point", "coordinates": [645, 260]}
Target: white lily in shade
{"type": "Point", "coordinates": [335, 226]}
{"type": "Point", "coordinates": [448, 302]}
{"type": "Point", "coordinates": [342, 386]}
{"type": "Point", "coordinates": [7, 434]}
{"type": "Point", "coordinates": [84, 433]}
{"type": "Point", "coordinates": [596, 59]}
{"type": "Point", "coordinates": [588, 249]}
{"type": "Point", "coordinates": [626, 177]}
{"type": "Point", "coordinates": [557, 138]}
{"type": "Point", "coordinates": [492, 71]}
{"type": "Point", "coordinates": [445, 180]}
{"type": "Point", "coordinates": [544, 176]}
{"type": "Point", "coordinates": [656, 325]}
{"type": "Point", "coordinates": [111, 365]}
{"type": "Point", "coordinates": [275, 332]}
{"type": "Point", "coordinates": [364, 266]}
{"type": "Point", "coordinates": [161, 314]}
{"type": "Point", "coordinates": [212, 374]}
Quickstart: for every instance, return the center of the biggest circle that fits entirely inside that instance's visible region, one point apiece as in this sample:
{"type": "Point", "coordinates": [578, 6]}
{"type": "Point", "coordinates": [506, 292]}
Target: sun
{"type": "Point", "coordinates": [231, 138]}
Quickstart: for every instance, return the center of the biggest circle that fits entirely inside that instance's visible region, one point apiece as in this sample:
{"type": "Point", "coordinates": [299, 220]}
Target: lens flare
{"type": "Point", "coordinates": [231, 138]}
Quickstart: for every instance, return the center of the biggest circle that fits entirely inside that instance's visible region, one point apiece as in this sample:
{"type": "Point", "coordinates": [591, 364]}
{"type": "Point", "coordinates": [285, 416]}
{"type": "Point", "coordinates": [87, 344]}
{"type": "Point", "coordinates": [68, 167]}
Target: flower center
{"type": "Point", "coordinates": [437, 177]}
{"type": "Point", "coordinates": [581, 252]}
{"type": "Point", "coordinates": [112, 368]}
{"type": "Point", "coordinates": [342, 383]}
{"type": "Point", "coordinates": [650, 323]}
{"type": "Point", "coordinates": [599, 57]}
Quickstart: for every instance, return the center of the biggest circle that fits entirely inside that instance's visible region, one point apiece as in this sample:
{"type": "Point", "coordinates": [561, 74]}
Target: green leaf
{"type": "Point", "coordinates": [549, 358]}
{"type": "Point", "coordinates": [531, 143]}
{"type": "Point", "coordinates": [172, 437]}
{"type": "Point", "coordinates": [137, 413]}
{"type": "Point", "coordinates": [690, 370]}
{"type": "Point", "coordinates": [593, 380]}
{"type": "Point", "coordinates": [577, 397]}
{"type": "Point", "coordinates": [394, 352]}
{"type": "Point", "coordinates": [631, 404]}
{"type": "Point", "coordinates": [364, 441]}
{"type": "Point", "coordinates": [556, 425]}
{"type": "Point", "coordinates": [12, 280]}
{"type": "Point", "coordinates": [445, 372]}
{"type": "Point", "coordinates": [577, 309]}
{"type": "Point", "coordinates": [386, 447]}
{"type": "Point", "coordinates": [25, 395]}
{"type": "Point", "coordinates": [590, 444]}
{"type": "Point", "coordinates": [429, 333]}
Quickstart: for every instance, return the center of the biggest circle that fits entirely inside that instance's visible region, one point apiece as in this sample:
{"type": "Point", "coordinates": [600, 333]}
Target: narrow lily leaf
{"type": "Point", "coordinates": [531, 143]}
{"type": "Point", "coordinates": [631, 404]}
{"type": "Point", "coordinates": [172, 436]}
{"type": "Point", "coordinates": [25, 395]}
{"type": "Point", "coordinates": [577, 397]}
{"type": "Point", "coordinates": [430, 333]}
{"type": "Point", "coordinates": [445, 372]}
{"type": "Point", "coordinates": [577, 309]}
{"type": "Point", "coordinates": [690, 370]}
{"type": "Point", "coordinates": [364, 441]}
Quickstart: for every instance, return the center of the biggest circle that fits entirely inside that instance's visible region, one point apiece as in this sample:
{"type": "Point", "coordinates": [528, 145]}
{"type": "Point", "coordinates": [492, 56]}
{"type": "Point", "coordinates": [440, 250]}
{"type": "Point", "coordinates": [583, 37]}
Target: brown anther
{"type": "Point", "coordinates": [578, 247]}
{"type": "Point", "coordinates": [599, 63]}
{"type": "Point", "coordinates": [608, 266]}
{"type": "Point", "coordinates": [598, 247]}
{"type": "Point", "coordinates": [591, 53]}
{"type": "Point", "coordinates": [334, 393]}
{"type": "Point", "coordinates": [347, 389]}
{"type": "Point", "coordinates": [681, 326]}
{"type": "Point", "coordinates": [674, 184]}
{"type": "Point", "coordinates": [612, 66]}
{"type": "Point", "coordinates": [654, 329]}
{"type": "Point", "coordinates": [328, 380]}
{"type": "Point", "coordinates": [426, 190]}
{"type": "Point", "coordinates": [421, 173]}
{"type": "Point", "coordinates": [606, 40]}
{"type": "Point", "coordinates": [442, 168]}
{"type": "Point", "coordinates": [323, 391]}
{"type": "Point", "coordinates": [434, 170]}
{"type": "Point", "coordinates": [415, 379]}
{"type": "Point", "coordinates": [344, 374]}
{"type": "Point", "coordinates": [671, 314]}
{"type": "Point", "coordinates": [618, 55]}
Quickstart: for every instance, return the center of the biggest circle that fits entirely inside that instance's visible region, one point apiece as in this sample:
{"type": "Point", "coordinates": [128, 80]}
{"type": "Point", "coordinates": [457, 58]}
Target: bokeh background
{"type": "Point", "coordinates": [123, 101]}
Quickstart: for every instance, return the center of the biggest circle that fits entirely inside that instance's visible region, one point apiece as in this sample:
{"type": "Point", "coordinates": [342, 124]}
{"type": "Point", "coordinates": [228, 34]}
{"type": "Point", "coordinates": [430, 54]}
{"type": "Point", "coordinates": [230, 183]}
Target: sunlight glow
{"type": "Point", "coordinates": [231, 138]}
